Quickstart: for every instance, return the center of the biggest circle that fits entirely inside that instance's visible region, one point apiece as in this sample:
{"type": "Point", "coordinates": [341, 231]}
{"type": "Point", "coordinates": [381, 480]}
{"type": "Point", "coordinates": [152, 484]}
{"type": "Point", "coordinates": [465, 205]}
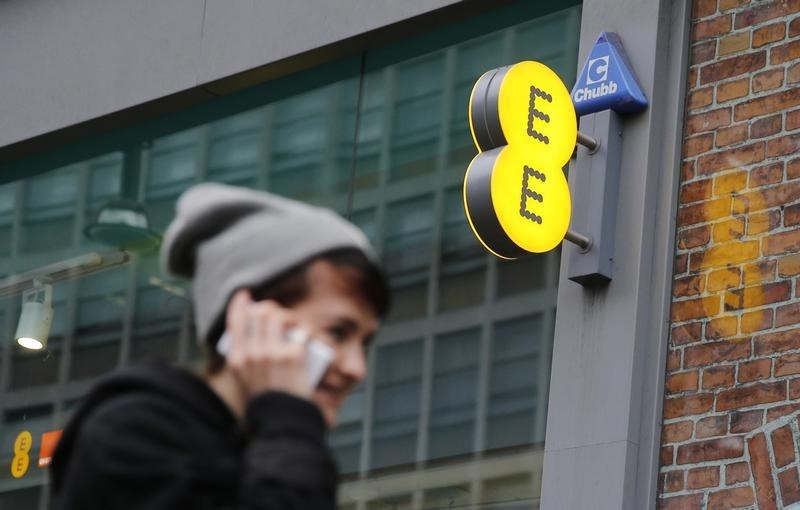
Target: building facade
{"type": "Point", "coordinates": [494, 384]}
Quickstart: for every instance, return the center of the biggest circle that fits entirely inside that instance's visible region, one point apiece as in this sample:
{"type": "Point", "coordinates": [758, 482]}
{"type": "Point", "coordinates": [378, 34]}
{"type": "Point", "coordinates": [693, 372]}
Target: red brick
{"type": "Point", "coordinates": [694, 237]}
{"type": "Point", "coordinates": [712, 449]}
{"type": "Point", "coordinates": [759, 272]}
{"type": "Point", "coordinates": [794, 27]}
{"type": "Point", "coordinates": [726, 5]}
{"type": "Point", "coordinates": [764, 12]}
{"type": "Point", "coordinates": [770, 343]}
{"type": "Point", "coordinates": [711, 426]}
{"type": "Point", "coordinates": [745, 421]}
{"type": "Point", "coordinates": [687, 406]}
{"type": "Point", "coordinates": [793, 74]}
{"type": "Point", "coordinates": [689, 285]}
{"type": "Point", "coordinates": [782, 242]}
{"type": "Point", "coordinates": [691, 77]}
{"type": "Point", "coordinates": [695, 308]}
{"type": "Point", "coordinates": [718, 377]}
{"type": "Point", "coordinates": [785, 145]}
{"type": "Point", "coordinates": [788, 364]}
{"type": "Point", "coordinates": [783, 446]}
{"type": "Point", "coordinates": [711, 28]}
{"type": "Point", "coordinates": [766, 174]}
{"type": "Point", "coordinates": [689, 502]}
{"type": "Point", "coordinates": [708, 121]}
{"type": "Point", "coordinates": [762, 472]}
{"type": "Point", "coordinates": [789, 265]}
{"type": "Point", "coordinates": [731, 135]}
{"type": "Point", "coordinates": [730, 159]}
{"type": "Point", "coordinates": [760, 393]}
{"type": "Point", "coordinates": [665, 456]}
{"type": "Point", "coordinates": [703, 8]}
{"type": "Point", "coordinates": [730, 498]}
{"type": "Point", "coordinates": [674, 359]}
{"type": "Point", "coordinates": [777, 102]}
{"type": "Point", "coordinates": [687, 170]}
{"type": "Point", "coordinates": [682, 381]}
{"type": "Point", "coordinates": [681, 263]}
{"type": "Point", "coordinates": [729, 183]}
{"type": "Point", "coordinates": [733, 66]}
{"type": "Point", "coordinates": [724, 255]}
{"type": "Point", "coordinates": [766, 127]}
{"type": "Point", "coordinates": [687, 333]}
{"type": "Point", "coordinates": [733, 43]}
{"type": "Point", "coordinates": [768, 80]}
{"type": "Point", "coordinates": [790, 486]}
{"type": "Point", "coordinates": [722, 327]}
{"type": "Point", "coordinates": [677, 432]}
{"type": "Point", "coordinates": [728, 230]}
{"type": "Point", "coordinates": [737, 473]}
{"type": "Point", "coordinates": [792, 123]}
{"type": "Point", "coordinates": [701, 478]}
{"type": "Point", "coordinates": [787, 314]}
{"type": "Point", "coordinates": [755, 370]}
{"type": "Point", "coordinates": [759, 223]}
{"type": "Point", "coordinates": [703, 52]}
{"type": "Point", "coordinates": [791, 215]}
{"type": "Point", "coordinates": [784, 53]}
{"type": "Point", "coordinates": [696, 191]}
{"type": "Point", "coordinates": [714, 352]}
{"type": "Point", "coordinates": [732, 90]}
{"type": "Point", "coordinates": [794, 389]}
{"type": "Point", "coordinates": [705, 211]}
{"type": "Point", "coordinates": [758, 295]}
{"type": "Point", "coordinates": [673, 481]}
{"type": "Point", "coordinates": [793, 166]}
{"type": "Point", "coordinates": [776, 196]}
{"type": "Point", "coordinates": [697, 145]}
{"type": "Point", "coordinates": [773, 413]}
{"type": "Point", "coordinates": [768, 34]}
{"type": "Point", "coordinates": [726, 278]}
{"type": "Point", "coordinates": [756, 321]}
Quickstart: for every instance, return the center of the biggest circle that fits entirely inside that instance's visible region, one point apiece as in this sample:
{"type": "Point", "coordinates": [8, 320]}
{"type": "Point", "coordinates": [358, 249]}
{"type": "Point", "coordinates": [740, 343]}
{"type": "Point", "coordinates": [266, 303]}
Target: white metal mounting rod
{"type": "Point", "coordinates": [583, 241]}
{"type": "Point", "coordinates": [593, 144]}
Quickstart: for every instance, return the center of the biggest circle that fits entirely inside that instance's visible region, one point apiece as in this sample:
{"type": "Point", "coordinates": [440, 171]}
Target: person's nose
{"type": "Point", "coordinates": [352, 361]}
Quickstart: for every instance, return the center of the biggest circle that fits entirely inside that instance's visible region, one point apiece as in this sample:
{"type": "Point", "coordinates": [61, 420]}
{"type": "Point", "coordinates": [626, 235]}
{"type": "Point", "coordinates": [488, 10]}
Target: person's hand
{"type": "Point", "coordinates": [260, 356]}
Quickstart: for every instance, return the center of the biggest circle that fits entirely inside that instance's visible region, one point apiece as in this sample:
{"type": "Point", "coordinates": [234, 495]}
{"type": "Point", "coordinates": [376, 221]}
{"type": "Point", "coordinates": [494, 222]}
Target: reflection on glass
{"type": "Point", "coordinates": [345, 439]}
{"type": "Point", "coordinates": [513, 382]}
{"type": "Point", "coordinates": [417, 116]}
{"type": "Point", "coordinates": [391, 503]}
{"type": "Point", "coordinates": [515, 492]}
{"type": "Point", "coordinates": [398, 374]}
{"type": "Point", "coordinates": [34, 419]}
{"type": "Point", "coordinates": [370, 132]}
{"type": "Point", "coordinates": [7, 204]}
{"type": "Point", "coordinates": [456, 496]}
{"type": "Point", "coordinates": [462, 274]}
{"type": "Point", "coordinates": [49, 209]}
{"type": "Point", "coordinates": [525, 274]}
{"type": "Point", "coordinates": [454, 394]}
{"type": "Point", "coordinates": [407, 254]}
{"type": "Point", "coordinates": [235, 148]}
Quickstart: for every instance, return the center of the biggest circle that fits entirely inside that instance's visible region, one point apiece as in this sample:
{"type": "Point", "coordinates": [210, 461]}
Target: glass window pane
{"type": "Point", "coordinates": [462, 274]}
{"type": "Point", "coordinates": [454, 394]}
{"type": "Point", "coordinates": [398, 373]}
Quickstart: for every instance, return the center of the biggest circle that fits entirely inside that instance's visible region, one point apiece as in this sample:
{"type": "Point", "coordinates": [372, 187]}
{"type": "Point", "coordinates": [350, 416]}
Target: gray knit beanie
{"type": "Point", "coordinates": [226, 238]}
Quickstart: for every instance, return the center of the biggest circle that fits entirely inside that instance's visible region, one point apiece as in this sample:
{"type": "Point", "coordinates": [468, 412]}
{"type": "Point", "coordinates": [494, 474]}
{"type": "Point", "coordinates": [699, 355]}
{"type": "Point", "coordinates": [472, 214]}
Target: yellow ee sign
{"type": "Point", "coordinates": [22, 459]}
{"type": "Point", "coordinates": [516, 196]}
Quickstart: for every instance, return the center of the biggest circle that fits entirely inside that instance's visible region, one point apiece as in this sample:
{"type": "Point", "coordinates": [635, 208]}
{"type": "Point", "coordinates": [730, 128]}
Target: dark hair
{"type": "Point", "coordinates": [292, 287]}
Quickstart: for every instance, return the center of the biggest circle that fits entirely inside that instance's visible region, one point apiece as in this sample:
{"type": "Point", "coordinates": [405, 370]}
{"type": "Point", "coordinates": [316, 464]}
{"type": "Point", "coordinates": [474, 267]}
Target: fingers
{"type": "Point", "coordinates": [260, 355]}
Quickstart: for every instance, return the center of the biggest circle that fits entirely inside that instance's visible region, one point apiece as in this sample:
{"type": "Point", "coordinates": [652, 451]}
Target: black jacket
{"type": "Point", "coordinates": [155, 437]}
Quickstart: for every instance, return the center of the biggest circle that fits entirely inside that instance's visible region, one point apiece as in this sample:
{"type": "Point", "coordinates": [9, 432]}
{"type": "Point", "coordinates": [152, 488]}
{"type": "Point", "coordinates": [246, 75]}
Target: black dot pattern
{"type": "Point", "coordinates": [530, 194]}
{"type": "Point", "coordinates": [533, 113]}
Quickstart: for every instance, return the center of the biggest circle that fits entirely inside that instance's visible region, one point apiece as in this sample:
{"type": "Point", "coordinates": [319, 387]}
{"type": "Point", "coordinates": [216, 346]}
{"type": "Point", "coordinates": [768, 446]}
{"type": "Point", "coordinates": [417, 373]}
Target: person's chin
{"type": "Point", "coordinates": [329, 403]}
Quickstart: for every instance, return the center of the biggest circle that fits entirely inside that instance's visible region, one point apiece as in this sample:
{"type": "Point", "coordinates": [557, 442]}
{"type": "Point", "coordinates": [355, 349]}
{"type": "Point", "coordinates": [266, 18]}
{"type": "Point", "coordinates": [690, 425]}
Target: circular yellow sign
{"type": "Point", "coordinates": [536, 113]}
{"type": "Point", "coordinates": [531, 200]}
{"type": "Point", "coordinates": [20, 464]}
{"type": "Point", "coordinates": [23, 442]}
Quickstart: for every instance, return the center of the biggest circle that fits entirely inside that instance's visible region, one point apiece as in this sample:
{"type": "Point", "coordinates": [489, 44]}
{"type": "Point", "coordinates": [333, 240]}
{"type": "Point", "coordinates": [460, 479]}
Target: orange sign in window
{"type": "Point", "coordinates": [49, 442]}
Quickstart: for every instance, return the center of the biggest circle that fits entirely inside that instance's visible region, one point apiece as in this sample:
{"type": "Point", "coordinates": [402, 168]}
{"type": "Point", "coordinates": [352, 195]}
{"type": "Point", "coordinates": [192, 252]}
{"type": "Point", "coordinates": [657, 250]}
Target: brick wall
{"type": "Point", "coordinates": [732, 397]}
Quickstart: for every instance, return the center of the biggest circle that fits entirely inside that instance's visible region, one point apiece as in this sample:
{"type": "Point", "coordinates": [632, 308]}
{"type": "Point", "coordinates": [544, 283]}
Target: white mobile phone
{"type": "Point", "coordinates": [319, 357]}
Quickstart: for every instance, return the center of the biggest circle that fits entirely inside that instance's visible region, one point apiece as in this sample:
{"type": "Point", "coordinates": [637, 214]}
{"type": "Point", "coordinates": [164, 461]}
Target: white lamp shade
{"type": "Point", "coordinates": [34, 323]}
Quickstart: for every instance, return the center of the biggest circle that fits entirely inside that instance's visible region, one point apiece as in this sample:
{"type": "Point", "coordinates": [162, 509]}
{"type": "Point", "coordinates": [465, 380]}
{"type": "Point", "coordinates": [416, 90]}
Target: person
{"type": "Point", "coordinates": [247, 432]}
